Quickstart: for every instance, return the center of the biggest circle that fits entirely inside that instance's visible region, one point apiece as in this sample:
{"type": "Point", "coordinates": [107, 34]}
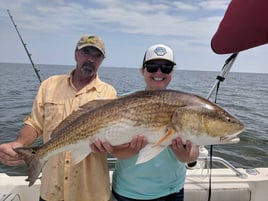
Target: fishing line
{"type": "Point", "coordinates": [24, 45]}
{"type": "Point", "coordinates": [220, 78]}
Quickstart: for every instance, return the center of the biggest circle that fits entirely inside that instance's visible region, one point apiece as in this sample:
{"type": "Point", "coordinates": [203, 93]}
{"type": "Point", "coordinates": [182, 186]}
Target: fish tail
{"type": "Point", "coordinates": [34, 165]}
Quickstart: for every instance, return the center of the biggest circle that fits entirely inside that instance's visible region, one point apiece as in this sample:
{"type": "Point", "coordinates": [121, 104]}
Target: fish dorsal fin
{"type": "Point", "coordinates": [169, 133]}
{"type": "Point", "coordinates": [149, 152]}
{"type": "Point", "coordinates": [80, 111]}
{"type": "Point", "coordinates": [95, 103]}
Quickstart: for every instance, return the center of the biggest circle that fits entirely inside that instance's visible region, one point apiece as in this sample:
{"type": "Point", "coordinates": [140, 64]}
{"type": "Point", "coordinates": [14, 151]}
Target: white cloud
{"type": "Point", "coordinates": [185, 6]}
{"type": "Point", "coordinates": [187, 26]}
{"type": "Point", "coordinates": [214, 4]}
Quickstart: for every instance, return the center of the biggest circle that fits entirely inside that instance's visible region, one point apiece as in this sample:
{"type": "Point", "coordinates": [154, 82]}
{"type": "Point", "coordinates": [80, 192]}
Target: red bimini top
{"type": "Point", "coordinates": [244, 26]}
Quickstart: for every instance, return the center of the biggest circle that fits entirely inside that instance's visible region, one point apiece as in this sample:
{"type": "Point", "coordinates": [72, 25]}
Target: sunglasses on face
{"type": "Point", "coordinates": [165, 68]}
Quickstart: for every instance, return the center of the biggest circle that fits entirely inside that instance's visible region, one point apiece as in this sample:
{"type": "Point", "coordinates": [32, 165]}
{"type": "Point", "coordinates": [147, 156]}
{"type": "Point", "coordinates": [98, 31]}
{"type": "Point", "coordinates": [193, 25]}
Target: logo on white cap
{"type": "Point", "coordinates": [160, 51]}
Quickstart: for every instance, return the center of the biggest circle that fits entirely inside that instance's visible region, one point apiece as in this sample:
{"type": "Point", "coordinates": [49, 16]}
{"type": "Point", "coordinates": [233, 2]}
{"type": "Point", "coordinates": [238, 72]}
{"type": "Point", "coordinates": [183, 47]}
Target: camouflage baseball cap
{"type": "Point", "coordinates": [91, 41]}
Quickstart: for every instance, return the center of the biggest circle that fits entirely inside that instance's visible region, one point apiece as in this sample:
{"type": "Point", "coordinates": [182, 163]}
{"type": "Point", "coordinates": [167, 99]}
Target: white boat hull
{"type": "Point", "coordinates": [225, 185]}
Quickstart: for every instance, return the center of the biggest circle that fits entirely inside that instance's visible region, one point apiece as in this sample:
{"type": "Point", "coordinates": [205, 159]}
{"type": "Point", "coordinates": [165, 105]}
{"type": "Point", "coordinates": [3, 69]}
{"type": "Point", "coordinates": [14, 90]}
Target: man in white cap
{"type": "Point", "coordinates": [162, 178]}
{"type": "Point", "coordinates": [57, 97]}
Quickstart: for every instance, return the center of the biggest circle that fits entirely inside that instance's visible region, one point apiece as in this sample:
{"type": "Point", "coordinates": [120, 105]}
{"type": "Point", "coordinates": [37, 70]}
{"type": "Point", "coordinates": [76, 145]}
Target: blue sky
{"type": "Point", "coordinates": [51, 29]}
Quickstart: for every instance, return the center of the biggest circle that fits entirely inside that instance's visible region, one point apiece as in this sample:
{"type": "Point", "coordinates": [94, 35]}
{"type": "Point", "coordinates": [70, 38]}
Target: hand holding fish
{"type": "Point", "coordinates": [97, 146]}
{"type": "Point", "coordinates": [122, 151]}
{"type": "Point", "coordinates": [130, 149]}
{"type": "Point", "coordinates": [184, 152]}
{"type": "Point", "coordinates": [137, 143]}
{"type": "Point", "coordinates": [8, 156]}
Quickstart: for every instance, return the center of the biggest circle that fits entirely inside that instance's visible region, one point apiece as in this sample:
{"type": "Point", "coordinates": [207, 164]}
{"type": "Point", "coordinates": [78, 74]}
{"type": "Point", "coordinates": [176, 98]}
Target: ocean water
{"type": "Point", "coordinates": [243, 94]}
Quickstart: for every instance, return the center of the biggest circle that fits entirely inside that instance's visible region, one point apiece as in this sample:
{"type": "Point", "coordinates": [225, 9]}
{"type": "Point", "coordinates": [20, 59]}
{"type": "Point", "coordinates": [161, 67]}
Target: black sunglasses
{"type": "Point", "coordinates": [165, 68]}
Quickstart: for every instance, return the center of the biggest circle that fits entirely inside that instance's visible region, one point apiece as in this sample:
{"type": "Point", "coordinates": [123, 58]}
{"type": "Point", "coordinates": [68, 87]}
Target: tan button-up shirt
{"type": "Point", "coordinates": [88, 180]}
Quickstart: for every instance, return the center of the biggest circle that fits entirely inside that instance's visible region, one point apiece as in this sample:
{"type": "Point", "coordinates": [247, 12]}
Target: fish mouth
{"type": "Point", "coordinates": [230, 139]}
{"type": "Point", "coordinates": [234, 140]}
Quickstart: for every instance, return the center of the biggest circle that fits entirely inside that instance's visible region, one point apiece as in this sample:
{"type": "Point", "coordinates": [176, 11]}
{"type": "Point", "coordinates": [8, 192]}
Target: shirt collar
{"type": "Point", "coordinates": [94, 84]}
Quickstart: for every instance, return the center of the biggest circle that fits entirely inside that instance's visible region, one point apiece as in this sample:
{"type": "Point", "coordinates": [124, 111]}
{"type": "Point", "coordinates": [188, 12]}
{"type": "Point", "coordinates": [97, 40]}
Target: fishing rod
{"type": "Point", "coordinates": [220, 78]}
{"type": "Point", "coordinates": [224, 72]}
{"type": "Point", "coordinates": [24, 45]}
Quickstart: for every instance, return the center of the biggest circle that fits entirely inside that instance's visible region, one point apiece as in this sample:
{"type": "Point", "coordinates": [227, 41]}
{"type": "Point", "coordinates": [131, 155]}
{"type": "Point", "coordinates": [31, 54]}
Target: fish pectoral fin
{"type": "Point", "coordinates": [80, 153]}
{"type": "Point", "coordinates": [149, 152]}
{"type": "Point", "coordinates": [170, 131]}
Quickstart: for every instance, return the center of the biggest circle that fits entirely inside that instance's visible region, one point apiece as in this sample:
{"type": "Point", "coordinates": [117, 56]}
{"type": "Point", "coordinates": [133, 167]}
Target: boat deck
{"type": "Point", "coordinates": [225, 185]}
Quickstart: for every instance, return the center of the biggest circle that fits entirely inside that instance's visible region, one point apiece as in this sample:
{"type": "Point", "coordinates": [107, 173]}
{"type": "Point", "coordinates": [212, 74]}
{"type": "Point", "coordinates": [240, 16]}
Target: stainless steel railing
{"type": "Point", "coordinates": [225, 163]}
{"type": "Point", "coordinates": [112, 161]}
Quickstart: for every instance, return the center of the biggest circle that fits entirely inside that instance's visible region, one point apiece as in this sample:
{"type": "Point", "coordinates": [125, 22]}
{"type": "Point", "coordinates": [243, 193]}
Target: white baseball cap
{"type": "Point", "coordinates": [159, 51]}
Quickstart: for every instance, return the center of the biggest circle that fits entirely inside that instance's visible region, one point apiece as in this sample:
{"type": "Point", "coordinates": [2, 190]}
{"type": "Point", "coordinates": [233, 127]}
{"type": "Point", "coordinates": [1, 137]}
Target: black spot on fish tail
{"type": "Point", "coordinates": [33, 163]}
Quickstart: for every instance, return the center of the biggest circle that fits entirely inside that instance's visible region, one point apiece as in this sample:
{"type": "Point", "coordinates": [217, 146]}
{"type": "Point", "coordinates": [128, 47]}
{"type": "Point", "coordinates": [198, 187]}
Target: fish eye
{"type": "Point", "coordinates": [228, 119]}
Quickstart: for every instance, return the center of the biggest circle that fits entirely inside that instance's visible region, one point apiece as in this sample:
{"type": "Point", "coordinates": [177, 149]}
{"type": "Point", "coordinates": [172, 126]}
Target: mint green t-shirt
{"type": "Point", "coordinates": [161, 176]}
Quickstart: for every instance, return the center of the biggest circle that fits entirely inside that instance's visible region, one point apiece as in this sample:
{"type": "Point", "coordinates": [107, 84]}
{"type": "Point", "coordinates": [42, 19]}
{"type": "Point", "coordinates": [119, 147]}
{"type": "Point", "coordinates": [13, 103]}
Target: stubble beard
{"type": "Point", "coordinates": [88, 70]}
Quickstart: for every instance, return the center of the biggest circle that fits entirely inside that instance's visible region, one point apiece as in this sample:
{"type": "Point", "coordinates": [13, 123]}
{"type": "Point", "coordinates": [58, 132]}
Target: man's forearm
{"type": "Point", "coordinates": [27, 135]}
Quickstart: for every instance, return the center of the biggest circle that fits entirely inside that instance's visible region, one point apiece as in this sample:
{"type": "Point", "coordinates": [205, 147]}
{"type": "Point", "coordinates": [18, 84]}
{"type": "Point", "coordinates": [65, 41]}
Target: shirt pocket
{"type": "Point", "coordinates": [53, 115]}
